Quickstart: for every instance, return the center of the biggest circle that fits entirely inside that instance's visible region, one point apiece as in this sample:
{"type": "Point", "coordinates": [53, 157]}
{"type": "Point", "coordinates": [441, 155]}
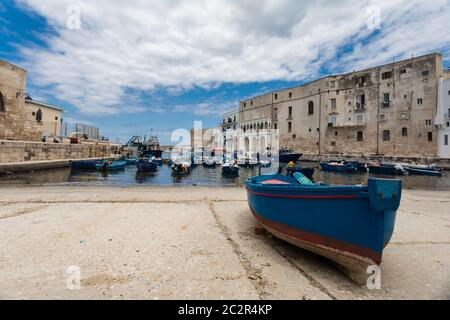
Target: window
{"type": "Point", "coordinates": [360, 136]}
{"type": "Point", "coordinates": [289, 126]}
{"type": "Point", "coordinates": [333, 103]}
{"type": "Point", "coordinates": [336, 133]}
{"type": "Point", "coordinates": [290, 112]}
{"type": "Point", "coordinates": [382, 117]}
{"type": "Point", "coordinates": [361, 81]}
{"type": "Point", "coordinates": [245, 104]}
{"type": "Point", "coordinates": [276, 96]}
{"type": "Point", "coordinates": [404, 132]}
{"type": "Point", "coordinates": [2, 103]}
{"type": "Point", "coordinates": [420, 101]}
{"type": "Point", "coordinates": [56, 118]}
{"type": "Point", "coordinates": [403, 71]}
{"type": "Point", "coordinates": [234, 119]}
{"type": "Point", "coordinates": [333, 143]}
{"type": "Point", "coordinates": [39, 115]}
{"type": "Point", "coordinates": [251, 102]}
{"type": "Point", "coordinates": [430, 136]}
{"type": "Point", "coordinates": [290, 95]}
{"type": "Point", "coordinates": [360, 102]}
{"type": "Point", "coordinates": [360, 119]}
{"type": "Point", "coordinates": [310, 108]}
{"type": "Point", "coordinates": [386, 100]}
{"type": "Point", "coordinates": [446, 140]}
{"type": "Point", "coordinates": [332, 121]}
{"type": "Point", "coordinates": [294, 136]}
{"type": "Point", "coordinates": [428, 123]}
{"type": "Point", "coordinates": [425, 73]}
{"type": "Point", "coordinates": [386, 135]}
{"type": "Point", "coordinates": [333, 84]}
{"type": "Point", "coordinates": [275, 114]}
{"type": "Point", "coordinates": [275, 126]}
{"type": "Point", "coordinates": [386, 75]}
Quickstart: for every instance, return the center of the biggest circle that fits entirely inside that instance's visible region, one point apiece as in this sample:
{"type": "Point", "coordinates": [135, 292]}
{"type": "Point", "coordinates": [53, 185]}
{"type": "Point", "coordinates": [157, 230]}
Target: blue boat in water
{"type": "Point", "coordinates": [84, 164]}
{"type": "Point", "coordinates": [230, 169]}
{"type": "Point", "coordinates": [111, 166]}
{"type": "Point", "coordinates": [131, 161]}
{"type": "Point", "coordinates": [350, 225]}
{"type": "Point", "coordinates": [342, 167]}
{"type": "Point", "coordinates": [145, 165]}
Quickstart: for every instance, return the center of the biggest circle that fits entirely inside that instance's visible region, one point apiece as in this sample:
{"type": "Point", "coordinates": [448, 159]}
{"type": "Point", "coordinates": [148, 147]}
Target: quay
{"type": "Point", "coordinates": [196, 243]}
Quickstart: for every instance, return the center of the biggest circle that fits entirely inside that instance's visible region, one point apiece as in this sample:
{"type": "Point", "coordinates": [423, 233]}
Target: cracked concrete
{"type": "Point", "coordinates": [196, 243]}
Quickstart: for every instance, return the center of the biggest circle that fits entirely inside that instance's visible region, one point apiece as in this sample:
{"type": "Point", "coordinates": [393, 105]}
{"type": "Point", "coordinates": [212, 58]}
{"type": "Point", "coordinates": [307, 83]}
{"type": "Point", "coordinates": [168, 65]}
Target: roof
{"type": "Point", "coordinates": [45, 105]}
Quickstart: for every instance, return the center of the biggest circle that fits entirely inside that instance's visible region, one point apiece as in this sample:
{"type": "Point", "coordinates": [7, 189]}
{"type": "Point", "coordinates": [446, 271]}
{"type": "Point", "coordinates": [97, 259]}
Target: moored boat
{"type": "Point", "coordinates": [209, 163]}
{"type": "Point", "coordinates": [342, 167]}
{"type": "Point", "coordinates": [131, 161]}
{"type": "Point", "coordinates": [287, 155]}
{"type": "Point", "coordinates": [111, 165]}
{"type": "Point", "coordinates": [230, 168]}
{"type": "Point", "coordinates": [350, 225]}
{"type": "Point", "coordinates": [388, 169]}
{"type": "Point", "coordinates": [84, 164]}
{"type": "Point", "coordinates": [424, 172]}
{"type": "Point", "coordinates": [145, 165]}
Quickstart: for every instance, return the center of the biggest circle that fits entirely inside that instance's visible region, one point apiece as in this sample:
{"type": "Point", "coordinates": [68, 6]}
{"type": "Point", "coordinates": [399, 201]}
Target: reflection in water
{"type": "Point", "coordinates": [200, 176]}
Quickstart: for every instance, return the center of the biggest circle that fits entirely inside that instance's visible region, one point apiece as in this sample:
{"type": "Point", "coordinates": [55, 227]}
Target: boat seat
{"type": "Point", "coordinates": [302, 179]}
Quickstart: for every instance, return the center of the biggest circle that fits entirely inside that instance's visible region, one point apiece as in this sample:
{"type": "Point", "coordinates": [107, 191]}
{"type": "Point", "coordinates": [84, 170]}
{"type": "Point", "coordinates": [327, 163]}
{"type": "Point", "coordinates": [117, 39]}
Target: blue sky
{"type": "Point", "coordinates": [146, 65]}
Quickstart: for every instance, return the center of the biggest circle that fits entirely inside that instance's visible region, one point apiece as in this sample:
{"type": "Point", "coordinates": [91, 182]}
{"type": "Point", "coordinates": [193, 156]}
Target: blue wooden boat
{"type": "Point", "coordinates": [84, 164]}
{"type": "Point", "coordinates": [181, 168]}
{"type": "Point", "coordinates": [111, 166]}
{"type": "Point", "coordinates": [350, 225]}
{"type": "Point", "coordinates": [144, 165]}
{"type": "Point", "coordinates": [209, 163]}
{"type": "Point", "coordinates": [344, 167]}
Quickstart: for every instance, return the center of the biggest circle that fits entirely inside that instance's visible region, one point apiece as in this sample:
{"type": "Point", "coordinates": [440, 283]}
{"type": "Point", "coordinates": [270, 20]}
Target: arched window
{"type": "Point", "coordinates": [39, 115]}
{"type": "Point", "coordinates": [310, 108]}
{"type": "Point", "coordinates": [2, 103]}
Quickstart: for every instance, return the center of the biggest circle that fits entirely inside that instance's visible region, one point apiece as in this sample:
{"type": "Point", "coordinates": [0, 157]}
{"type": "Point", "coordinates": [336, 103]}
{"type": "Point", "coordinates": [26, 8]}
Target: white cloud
{"type": "Point", "coordinates": [143, 44]}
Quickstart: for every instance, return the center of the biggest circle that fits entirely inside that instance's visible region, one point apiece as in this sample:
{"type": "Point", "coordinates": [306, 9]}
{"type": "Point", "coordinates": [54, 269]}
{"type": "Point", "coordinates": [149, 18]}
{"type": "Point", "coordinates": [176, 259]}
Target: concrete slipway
{"type": "Point", "coordinates": [196, 243]}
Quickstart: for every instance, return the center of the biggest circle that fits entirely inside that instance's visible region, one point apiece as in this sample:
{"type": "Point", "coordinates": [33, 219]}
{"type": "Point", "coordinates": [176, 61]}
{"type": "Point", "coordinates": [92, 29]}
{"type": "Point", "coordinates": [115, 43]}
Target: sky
{"type": "Point", "coordinates": [145, 66]}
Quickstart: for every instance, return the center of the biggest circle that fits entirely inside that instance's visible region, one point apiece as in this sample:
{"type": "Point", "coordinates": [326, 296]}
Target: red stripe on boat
{"type": "Point", "coordinates": [304, 236]}
{"type": "Point", "coordinates": [301, 197]}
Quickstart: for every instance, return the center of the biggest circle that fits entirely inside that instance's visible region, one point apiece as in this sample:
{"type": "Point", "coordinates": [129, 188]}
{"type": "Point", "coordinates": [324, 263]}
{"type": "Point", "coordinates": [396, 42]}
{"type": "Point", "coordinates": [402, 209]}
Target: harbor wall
{"type": "Point", "coordinates": [22, 151]}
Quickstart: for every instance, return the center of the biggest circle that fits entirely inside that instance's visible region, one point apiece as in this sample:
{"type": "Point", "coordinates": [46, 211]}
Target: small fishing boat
{"type": "Point", "coordinates": [424, 172]}
{"type": "Point", "coordinates": [265, 164]}
{"type": "Point", "coordinates": [350, 225]}
{"type": "Point", "coordinates": [230, 168]}
{"type": "Point", "coordinates": [145, 165]}
{"type": "Point", "coordinates": [111, 166]}
{"type": "Point", "coordinates": [209, 163]}
{"type": "Point", "coordinates": [181, 168]}
{"type": "Point", "coordinates": [85, 164]}
{"type": "Point", "coordinates": [342, 167]}
{"type": "Point", "coordinates": [287, 155]}
{"type": "Point", "coordinates": [158, 161]}
{"type": "Point", "coordinates": [388, 169]}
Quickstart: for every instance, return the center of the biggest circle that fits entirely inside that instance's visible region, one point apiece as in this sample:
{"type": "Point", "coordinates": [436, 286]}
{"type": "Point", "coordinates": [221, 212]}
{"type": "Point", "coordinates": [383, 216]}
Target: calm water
{"type": "Point", "coordinates": [199, 176]}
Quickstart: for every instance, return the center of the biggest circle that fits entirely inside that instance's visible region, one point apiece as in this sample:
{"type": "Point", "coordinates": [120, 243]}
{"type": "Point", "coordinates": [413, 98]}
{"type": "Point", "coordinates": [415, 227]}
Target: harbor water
{"type": "Point", "coordinates": [199, 176]}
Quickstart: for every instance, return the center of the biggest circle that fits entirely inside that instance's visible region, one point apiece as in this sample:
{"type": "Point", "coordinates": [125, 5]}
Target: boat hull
{"type": "Point", "coordinates": [230, 171]}
{"type": "Point", "coordinates": [347, 168]}
{"type": "Point", "coordinates": [146, 166]}
{"type": "Point", "coordinates": [424, 172]}
{"type": "Point", "coordinates": [114, 166]}
{"type": "Point", "coordinates": [85, 164]}
{"type": "Point", "coordinates": [289, 157]}
{"type": "Point", "coordinates": [349, 225]}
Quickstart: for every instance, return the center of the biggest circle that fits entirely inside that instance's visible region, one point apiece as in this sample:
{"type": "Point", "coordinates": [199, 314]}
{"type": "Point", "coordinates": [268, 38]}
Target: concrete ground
{"type": "Point", "coordinates": [196, 243]}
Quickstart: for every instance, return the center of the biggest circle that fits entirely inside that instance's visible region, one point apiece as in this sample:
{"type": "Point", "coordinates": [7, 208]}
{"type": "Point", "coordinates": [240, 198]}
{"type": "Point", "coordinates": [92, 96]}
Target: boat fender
{"type": "Point", "coordinates": [385, 195]}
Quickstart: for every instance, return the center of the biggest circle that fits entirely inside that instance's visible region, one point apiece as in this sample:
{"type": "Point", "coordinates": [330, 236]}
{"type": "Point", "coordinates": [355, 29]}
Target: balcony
{"type": "Point", "coordinates": [386, 104]}
{"type": "Point", "coordinates": [360, 107]}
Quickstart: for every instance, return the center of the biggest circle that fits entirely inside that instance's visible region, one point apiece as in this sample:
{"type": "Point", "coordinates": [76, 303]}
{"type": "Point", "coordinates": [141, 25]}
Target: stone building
{"type": "Point", "coordinates": [17, 121]}
{"type": "Point", "coordinates": [442, 120]}
{"type": "Point", "coordinates": [230, 123]}
{"type": "Point", "coordinates": [13, 124]}
{"type": "Point", "coordinates": [387, 110]}
{"type": "Point", "coordinates": [46, 117]}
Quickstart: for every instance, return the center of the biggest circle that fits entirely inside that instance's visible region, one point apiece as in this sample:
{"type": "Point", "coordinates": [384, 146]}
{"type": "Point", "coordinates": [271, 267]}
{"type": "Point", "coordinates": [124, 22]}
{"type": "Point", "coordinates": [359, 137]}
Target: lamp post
{"type": "Point", "coordinates": [26, 95]}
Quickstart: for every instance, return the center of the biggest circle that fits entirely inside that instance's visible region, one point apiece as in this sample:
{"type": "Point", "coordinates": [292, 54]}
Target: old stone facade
{"type": "Point", "coordinates": [387, 110]}
{"type": "Point", "coordinates": [45, 117]}
{"type": "Point", "coordinates": [13, 124]}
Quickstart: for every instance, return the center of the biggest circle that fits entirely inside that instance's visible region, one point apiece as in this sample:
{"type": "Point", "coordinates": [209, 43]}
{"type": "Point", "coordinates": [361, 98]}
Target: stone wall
{"type": "Point", "coordinates": [18, 151]}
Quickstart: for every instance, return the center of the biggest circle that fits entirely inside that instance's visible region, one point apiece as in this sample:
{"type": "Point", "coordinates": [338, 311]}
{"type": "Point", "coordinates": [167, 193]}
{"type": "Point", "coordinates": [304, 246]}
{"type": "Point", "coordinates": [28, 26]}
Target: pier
{"type": "Point", "coordinates": [196, 243]}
